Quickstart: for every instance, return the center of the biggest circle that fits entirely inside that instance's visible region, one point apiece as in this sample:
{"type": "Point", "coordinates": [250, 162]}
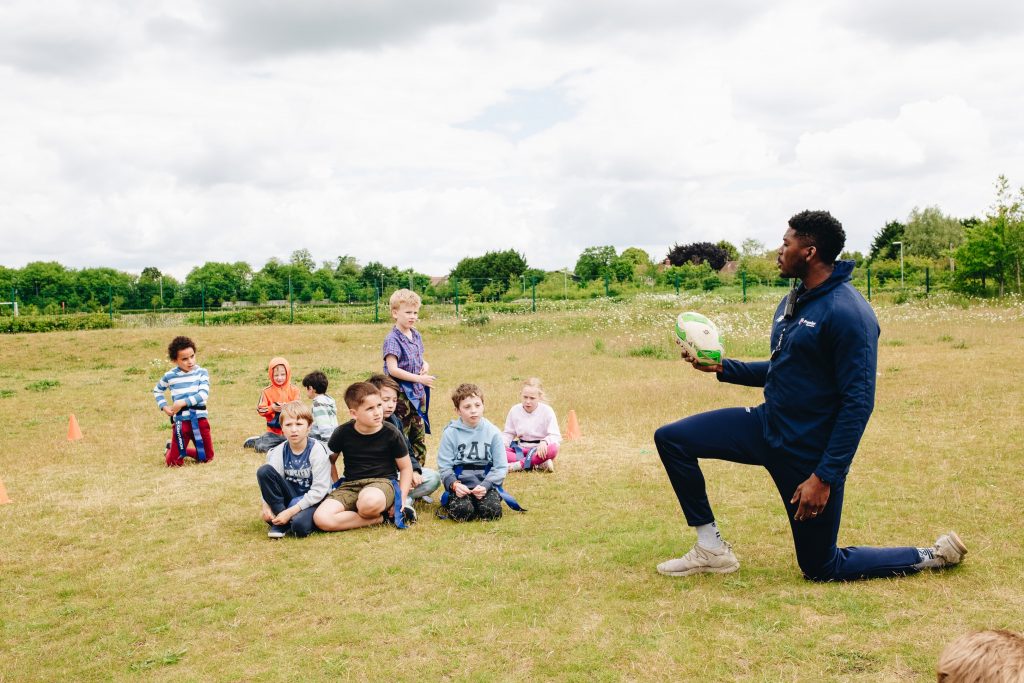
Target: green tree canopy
{"type": "Point", "coordinates": [594, 263]}
{"type": "Point", "coordinates": [495, 269]}
{"type": "Point", "coordinates": [882, 245]}
{"type": "Point", "coordinates": [731, 252]}
{"type": "Point", "coordinates": [931, 234]}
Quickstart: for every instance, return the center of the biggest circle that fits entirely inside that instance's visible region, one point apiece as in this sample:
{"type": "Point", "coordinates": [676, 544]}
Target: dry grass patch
{"type": "Point", "coordinates": [115, 567]}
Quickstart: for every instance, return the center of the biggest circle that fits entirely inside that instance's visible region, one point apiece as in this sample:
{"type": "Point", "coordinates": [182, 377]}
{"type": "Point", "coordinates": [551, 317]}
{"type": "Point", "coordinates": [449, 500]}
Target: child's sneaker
{"type": "Point", "coordinates": [277, 531]}
{"type": "Point", "coordinates": [515, 466]}
{"type": "Point", "coordinates": [949, 549]}
{"type": "Point", "coordinates": [409, 514]}
{"type": "Point", "coordinates": [249, 443]}
{"type": "Point", "coordinates": [701, 559]}
{"type": "Point", "coordinates": [546, 466]}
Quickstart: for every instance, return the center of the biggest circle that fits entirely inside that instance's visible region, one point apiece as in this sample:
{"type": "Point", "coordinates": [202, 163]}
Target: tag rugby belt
{"type": "Point", "coordinates": [179, 438]}
{"type": "Point", "coordinates": [505, 495]}
{"type": "Point", "coordinates": [421, 407]}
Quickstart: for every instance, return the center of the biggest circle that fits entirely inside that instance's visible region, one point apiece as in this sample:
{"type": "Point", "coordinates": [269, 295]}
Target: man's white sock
{"type": "Point", "coordinates": [708, 536]}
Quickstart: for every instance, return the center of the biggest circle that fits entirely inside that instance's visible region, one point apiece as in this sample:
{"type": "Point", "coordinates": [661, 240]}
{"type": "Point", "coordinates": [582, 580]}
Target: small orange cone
{"type": "Point", "coordinates": [3, 494]}
{"type": "Point", "coordinates": [74, 432]}
{"type": "Point", "coordinates": [572, 427]}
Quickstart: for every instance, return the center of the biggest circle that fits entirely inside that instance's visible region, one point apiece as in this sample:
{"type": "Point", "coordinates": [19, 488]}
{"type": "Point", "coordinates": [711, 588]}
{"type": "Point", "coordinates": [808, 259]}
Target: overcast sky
{"type": "Point", "coordinates": [416, 132]}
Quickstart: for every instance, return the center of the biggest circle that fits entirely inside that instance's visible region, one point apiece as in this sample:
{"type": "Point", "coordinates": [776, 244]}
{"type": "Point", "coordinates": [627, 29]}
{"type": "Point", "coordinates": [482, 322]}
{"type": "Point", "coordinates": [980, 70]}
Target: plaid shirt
{"type": "Point", "coordinates": [409, 353]}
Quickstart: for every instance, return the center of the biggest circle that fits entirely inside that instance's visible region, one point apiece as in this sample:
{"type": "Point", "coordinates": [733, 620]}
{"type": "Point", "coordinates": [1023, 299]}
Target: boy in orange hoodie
{"type": "Point", "coordinates": [280, 391]}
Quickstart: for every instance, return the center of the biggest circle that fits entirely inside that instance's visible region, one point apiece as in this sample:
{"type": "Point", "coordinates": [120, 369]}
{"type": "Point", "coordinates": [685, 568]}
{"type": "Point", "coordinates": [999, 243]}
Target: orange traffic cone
{"type": "Point", "coordinates": [572, 428]}
{"type": "Point", "coordinates": [3, 494]}
{"type": "Point", "coordinates": [74, 432]}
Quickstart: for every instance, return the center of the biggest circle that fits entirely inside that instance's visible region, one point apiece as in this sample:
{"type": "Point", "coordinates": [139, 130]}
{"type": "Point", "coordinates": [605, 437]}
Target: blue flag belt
{"type": "Point", "coordinates": [197, 436]}
{"type": "Point", "coordinates": [422, 407]}
{"type": "Point", "coordinates": [505, 495]}
{"type": "Point", "coordinates": [399, 515]}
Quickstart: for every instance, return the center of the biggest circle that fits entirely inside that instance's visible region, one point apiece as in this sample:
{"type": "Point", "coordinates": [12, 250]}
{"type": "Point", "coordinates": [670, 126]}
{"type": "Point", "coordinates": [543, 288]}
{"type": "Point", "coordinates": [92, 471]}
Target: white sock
{"type": "Point", "coordinates": [708, 536]}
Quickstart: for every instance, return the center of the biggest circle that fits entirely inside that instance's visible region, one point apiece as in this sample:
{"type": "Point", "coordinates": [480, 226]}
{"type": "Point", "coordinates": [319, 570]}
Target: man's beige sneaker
{"type": "Point", "coordinates": [700, 559]}
{"type": "Point", "coordinates": [949, 549]}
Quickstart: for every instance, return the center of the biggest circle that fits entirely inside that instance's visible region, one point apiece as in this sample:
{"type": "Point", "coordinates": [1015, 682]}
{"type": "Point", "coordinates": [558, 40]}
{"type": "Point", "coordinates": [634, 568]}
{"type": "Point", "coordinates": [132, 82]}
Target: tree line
{"type": "Point", "coordinates": [970, 252]}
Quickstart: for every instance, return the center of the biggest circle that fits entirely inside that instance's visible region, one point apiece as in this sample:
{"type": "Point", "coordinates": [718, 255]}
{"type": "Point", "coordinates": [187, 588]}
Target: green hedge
{"type": "Point", "coordinates": [53, 323]}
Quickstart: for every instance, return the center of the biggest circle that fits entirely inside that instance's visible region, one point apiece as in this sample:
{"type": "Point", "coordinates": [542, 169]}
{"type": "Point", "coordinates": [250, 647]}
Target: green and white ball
{"type": "Point", "coordinates": [701, 336]}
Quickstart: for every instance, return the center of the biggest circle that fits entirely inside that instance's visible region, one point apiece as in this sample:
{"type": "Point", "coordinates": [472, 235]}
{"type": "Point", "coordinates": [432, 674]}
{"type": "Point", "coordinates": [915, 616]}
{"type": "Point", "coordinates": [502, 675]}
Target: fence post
{"type": "Point", "coordinates": [869, 282]}
{"type": "Point", "coordinates": [605, 285]}
{"type": "Point", "coordinates": [533, 282]}
{"type": "Point", "coordinates": [743, 278]}
{"type": "Point", "coordinates": [456, 283]}
{"type": "Point", "coordinates": [291, 301]}
{"type": "Point", "coordinates": [376, 303]}
{"type": "Point", "coordinates": [927, 280]}
{"type": "Point", "coordinates": [203, 295]}
{"type": "Point", "coordinates": [111, 295]}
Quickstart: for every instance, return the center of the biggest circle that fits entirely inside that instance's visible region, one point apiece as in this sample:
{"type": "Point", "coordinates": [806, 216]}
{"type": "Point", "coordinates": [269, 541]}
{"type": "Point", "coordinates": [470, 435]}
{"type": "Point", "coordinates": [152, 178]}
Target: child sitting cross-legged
{"type": "Point", "coordinates": [371, 451]}
{"type": "Point", "coordinates": [296, 477]}
{"type": "Point", "coordinates": [471, 459]}
{"type": "Point", "coordinates": [531, 431]}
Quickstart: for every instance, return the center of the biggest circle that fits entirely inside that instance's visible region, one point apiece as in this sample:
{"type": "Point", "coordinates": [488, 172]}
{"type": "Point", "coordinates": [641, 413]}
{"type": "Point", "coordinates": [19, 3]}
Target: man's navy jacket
{"type": "Point", "coordinates": [819, 385]}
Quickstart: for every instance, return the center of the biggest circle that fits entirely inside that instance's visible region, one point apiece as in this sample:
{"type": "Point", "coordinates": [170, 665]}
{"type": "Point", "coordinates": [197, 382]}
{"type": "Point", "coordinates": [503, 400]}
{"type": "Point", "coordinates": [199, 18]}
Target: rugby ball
{"type": "Point", "coordinates": [701, 336]}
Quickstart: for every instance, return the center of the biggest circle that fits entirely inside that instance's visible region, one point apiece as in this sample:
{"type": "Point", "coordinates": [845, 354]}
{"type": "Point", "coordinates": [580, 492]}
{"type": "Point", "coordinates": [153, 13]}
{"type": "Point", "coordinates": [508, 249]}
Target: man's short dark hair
{"type": "Point", "coordinates": [317, 381]}
{"type": "Point", "coordinates": [822, 230]}
{"type": "Point", "coordinates": [177, 345]}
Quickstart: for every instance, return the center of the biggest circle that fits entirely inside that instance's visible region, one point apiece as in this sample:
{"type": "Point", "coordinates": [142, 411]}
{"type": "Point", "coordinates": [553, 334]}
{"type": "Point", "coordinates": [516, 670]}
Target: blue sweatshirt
{"type": "Point", "coordinates": [473, 449]}
{"type": "Point", "coordinates": [819, 385]}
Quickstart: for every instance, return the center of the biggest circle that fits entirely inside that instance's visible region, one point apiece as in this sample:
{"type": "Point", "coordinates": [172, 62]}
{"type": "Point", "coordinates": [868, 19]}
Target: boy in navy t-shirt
{"type": "Point", "coordinates": [296, 477]}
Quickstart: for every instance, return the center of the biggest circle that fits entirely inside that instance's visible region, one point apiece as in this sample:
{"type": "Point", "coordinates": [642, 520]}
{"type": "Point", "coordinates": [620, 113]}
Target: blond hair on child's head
{"type": "Point", "coordinates": [401, 297]}
{"type": "Point", "coordinates": [995, 656]}
{"type": "Point", "coordinates": [534, 383]}
{"type": "Point", "coordinates": [297, 410]}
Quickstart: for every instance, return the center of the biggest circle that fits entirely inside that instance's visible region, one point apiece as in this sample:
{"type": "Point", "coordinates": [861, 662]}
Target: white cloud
{"type": "Point", "coordinates": [174, 133]}
{"type": "Point", "coordinates": [933, 134]}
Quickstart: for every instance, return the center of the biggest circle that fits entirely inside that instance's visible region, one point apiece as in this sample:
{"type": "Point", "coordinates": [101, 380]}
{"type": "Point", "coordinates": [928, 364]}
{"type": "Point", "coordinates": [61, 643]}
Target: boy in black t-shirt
{"type": "Point", "coordinates": [371, 450]}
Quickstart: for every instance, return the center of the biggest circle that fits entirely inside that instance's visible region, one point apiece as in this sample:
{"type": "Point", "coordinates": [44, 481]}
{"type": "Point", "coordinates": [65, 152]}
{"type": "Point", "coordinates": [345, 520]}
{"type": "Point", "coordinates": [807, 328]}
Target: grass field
{"type": "Point", "coordinates": [114, 567]}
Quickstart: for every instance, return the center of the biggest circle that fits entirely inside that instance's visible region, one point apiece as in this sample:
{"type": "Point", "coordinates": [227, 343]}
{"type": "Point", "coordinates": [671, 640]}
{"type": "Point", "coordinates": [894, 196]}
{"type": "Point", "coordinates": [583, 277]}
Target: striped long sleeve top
{"type": "Point", "coordinates": [193, 387]}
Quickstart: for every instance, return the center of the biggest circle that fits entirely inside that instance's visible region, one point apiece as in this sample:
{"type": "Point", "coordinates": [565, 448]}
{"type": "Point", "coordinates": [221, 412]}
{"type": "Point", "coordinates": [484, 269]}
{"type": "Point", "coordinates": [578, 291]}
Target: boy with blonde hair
{"type": "Point", "coordinates": [296, 477]}
{"type": "Point", "coordinates": [403, 353]}
{"type": "Point", "coordinates": [994, 656]}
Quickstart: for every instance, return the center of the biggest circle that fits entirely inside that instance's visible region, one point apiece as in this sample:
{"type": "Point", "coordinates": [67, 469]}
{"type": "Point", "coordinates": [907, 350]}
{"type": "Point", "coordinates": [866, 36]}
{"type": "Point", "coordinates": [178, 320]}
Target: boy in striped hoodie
{"type": "Point", "coordinates": [189, 385]}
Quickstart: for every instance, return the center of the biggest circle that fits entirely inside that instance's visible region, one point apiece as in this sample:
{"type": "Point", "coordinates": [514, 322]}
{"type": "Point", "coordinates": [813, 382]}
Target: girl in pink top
{"type": "Point", "coordinates": [531, 431]}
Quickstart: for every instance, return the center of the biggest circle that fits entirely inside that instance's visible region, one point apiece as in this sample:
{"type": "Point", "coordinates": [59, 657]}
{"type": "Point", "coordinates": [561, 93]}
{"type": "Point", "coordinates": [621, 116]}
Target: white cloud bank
{"type": "Point", "coordinates": [416, 133]}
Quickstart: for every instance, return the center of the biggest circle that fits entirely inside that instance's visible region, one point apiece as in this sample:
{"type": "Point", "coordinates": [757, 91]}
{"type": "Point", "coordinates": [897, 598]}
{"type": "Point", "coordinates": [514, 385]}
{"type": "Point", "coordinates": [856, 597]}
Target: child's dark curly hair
{"type": "Point", "coordinates": [177, 344]}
